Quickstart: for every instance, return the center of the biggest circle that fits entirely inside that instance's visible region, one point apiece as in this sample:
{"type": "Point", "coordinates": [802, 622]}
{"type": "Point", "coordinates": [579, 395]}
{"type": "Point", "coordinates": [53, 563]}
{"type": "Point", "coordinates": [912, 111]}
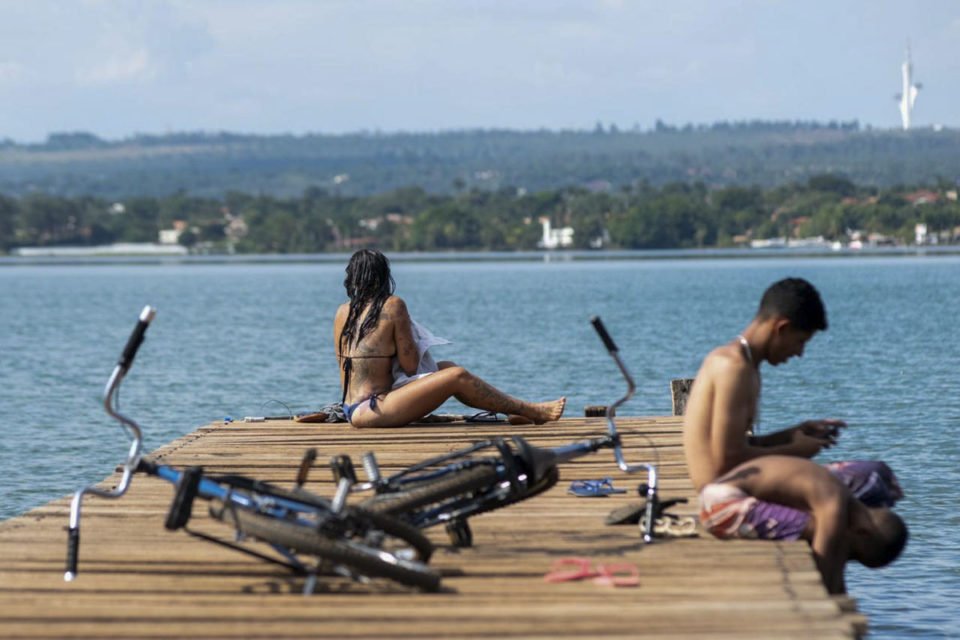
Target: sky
{"type": "Point", "coordinates": [116, 68]}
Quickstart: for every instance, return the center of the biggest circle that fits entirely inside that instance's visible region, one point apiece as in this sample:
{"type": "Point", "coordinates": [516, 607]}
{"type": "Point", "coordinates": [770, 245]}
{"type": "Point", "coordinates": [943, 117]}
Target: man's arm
{"type": "Point", "coordinates": [825, 431]}
{"type": "Point", "coordinates": [784, 436]}
{"type": "Point", "coordinates": [734, 404]}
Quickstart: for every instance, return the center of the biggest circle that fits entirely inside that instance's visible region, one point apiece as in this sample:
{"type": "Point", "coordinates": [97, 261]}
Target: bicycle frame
{"type": "Point", "coordinates": [520, 470]}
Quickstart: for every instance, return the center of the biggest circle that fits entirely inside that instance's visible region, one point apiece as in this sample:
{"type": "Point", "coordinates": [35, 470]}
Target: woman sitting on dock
{"type": "Point", "coordinates": [373, 329]}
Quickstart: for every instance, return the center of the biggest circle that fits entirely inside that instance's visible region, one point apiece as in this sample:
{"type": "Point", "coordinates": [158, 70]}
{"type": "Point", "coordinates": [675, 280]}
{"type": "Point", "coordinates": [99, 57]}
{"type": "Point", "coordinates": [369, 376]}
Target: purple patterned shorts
{"type": "Point", "coordinates": [728, 512]}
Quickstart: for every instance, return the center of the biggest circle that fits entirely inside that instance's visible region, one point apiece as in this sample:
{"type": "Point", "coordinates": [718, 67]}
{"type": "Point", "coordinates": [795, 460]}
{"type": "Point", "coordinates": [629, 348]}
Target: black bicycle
{"type": "Point", "coordinates": [489, 475]}
{"type": "Point", "coordinates": [308, 534]}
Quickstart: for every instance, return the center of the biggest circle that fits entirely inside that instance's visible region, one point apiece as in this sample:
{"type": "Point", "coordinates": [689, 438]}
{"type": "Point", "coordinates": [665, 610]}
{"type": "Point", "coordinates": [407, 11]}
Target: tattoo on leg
{"type": "Point", "coordinates": [485, 395]}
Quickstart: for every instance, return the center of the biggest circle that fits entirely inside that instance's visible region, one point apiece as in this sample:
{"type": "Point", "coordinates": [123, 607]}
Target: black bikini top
{"type": "Point", "coordinates": [348, 367]}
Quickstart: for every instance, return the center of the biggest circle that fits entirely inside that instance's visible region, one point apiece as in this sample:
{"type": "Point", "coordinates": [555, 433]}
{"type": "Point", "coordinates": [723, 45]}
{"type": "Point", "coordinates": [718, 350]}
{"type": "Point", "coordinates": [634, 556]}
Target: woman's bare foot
{"type": "Point", "coordinates": [514, 418]}
{"type": "Point", "coordinates": [547, 411]}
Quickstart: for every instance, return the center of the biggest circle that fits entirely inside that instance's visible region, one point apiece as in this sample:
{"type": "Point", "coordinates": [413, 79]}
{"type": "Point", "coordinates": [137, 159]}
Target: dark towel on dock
{"type": "Point", "coordinates": [333, 413]}
{"type": "Point", "coordinates": [330, 413]}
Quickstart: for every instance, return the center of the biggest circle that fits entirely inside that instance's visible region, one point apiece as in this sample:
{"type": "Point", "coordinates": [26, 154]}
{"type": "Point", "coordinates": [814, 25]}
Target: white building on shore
{"type": "Point", "coordinates": [555, 238]}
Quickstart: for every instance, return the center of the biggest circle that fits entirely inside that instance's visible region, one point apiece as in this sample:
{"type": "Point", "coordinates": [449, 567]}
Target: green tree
{"type": "Point", "coordinates": [9, 212]}
{"type": "Point", "coordinates": [446, 226]}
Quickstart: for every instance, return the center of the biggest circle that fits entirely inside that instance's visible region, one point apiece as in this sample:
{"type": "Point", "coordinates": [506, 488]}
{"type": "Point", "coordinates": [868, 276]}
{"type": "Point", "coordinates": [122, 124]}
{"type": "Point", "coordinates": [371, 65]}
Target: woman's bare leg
{"type": "Point", "coordinates": [420, 397]}
{"type": "Point", "coordinates": [512, 418]}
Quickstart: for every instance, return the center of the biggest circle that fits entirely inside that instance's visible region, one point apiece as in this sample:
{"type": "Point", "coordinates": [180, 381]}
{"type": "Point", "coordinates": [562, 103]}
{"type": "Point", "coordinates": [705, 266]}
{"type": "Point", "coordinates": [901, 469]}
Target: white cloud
{"type": "Point", "coordinates": [117, 69]}
{"type": "Point", "coordinates": [341, 65]}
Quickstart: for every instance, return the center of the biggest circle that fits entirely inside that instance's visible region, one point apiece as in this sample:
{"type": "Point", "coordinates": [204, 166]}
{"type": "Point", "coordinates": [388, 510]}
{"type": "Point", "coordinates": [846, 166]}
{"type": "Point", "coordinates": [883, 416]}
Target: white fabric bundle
{"type": "Point", "coordinates": [424, 339]}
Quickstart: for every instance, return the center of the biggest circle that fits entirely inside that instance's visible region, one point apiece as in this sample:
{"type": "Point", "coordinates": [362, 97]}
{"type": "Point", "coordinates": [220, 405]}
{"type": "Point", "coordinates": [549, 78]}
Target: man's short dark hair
{"type": "Point", "coordinates": [888, 539]}
{"type": "Point", "coordinates": [796, 300]}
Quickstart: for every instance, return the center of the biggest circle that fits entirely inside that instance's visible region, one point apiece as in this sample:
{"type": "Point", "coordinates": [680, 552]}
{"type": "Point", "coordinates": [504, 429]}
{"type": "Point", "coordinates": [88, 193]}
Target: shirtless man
{"type": "Point", "coordinates": [737, 473]}
{"type": "Point", "coordinates": [722, 406]}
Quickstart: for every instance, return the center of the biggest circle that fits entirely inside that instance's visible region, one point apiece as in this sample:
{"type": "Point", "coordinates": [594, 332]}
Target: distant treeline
{"type": "Point", "coordinates": [72, 140]}
{"type": "Point", "coordinates": [764, 153]}
{"type": "Point", "coordinates": [676, 215]}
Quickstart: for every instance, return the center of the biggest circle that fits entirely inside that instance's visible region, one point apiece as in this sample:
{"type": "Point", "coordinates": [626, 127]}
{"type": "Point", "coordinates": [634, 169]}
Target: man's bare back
{"type": "Point", "coordinates": [720, 413]}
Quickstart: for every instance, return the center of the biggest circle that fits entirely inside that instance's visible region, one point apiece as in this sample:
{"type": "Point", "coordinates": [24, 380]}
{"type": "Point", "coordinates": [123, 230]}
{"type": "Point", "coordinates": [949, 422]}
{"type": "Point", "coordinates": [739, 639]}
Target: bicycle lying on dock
{"type": "Point", "coordinates": [308, 534]}
{"type": "Point", "coordinates": [489, 475]}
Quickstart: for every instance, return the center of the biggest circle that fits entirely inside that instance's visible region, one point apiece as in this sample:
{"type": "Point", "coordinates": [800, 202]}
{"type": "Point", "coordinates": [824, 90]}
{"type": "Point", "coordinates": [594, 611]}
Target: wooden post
{"type": "Point", "coordinates": [679, 392]}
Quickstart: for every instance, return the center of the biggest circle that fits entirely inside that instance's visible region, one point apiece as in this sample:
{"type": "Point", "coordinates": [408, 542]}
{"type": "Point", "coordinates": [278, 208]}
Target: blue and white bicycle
{"type": "Point", "coordinates": [307, 534]}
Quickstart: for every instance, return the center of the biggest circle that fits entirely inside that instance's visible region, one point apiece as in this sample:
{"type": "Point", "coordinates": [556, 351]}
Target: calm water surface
{"type": "Point", "coordinates": [232, 340]}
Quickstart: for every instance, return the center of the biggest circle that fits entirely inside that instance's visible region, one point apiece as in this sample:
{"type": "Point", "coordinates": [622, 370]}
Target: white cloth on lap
{"type": "Point", "coordinates": [424, 339]}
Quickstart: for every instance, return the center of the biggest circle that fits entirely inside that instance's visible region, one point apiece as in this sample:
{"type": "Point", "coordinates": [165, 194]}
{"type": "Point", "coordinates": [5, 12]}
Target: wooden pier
{"type": "Point", "coordinates": [138, 580]}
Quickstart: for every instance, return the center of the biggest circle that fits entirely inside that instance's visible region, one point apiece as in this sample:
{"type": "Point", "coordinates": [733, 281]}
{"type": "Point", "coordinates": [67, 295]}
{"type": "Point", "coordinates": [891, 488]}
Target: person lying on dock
{"type": "Point", "coordinates": [789, 498]}
{"type": "Point", "coordinates": [373, 330]}
{"type": "Point", "coordinates": [722, 407]}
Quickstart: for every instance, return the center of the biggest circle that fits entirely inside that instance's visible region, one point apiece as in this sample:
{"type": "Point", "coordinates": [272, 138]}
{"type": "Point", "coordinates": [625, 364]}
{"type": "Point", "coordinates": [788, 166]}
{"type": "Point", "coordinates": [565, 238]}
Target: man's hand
{"type": "Point", "coordinates": [807, 446]}
{"type": "Point", "coordinates": [826, 430]}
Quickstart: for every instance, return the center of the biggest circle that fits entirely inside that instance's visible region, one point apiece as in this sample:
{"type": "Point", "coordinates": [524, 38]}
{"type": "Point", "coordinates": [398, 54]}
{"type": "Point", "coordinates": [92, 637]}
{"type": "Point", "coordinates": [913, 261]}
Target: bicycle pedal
{"type": "Point", "coordinates": [342, 467]}
{"type": "Point", "coordinates": [461, 536]}
{"type": "Point", "coordinates": [340, 497]}
{"type": "Point", "coordinates": [371, 467]}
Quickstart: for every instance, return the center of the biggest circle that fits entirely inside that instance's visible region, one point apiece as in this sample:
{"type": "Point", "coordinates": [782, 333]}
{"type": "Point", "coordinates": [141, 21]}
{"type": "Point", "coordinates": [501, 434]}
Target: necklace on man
{"type": "Point", "coordinates": [747, 351]}
{"type": "Point", "coordinates": [748, 354]}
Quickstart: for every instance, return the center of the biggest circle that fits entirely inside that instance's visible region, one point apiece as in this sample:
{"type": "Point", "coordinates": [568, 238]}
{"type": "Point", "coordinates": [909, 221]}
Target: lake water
{"type": "Point", "coordinates": [239, 339]}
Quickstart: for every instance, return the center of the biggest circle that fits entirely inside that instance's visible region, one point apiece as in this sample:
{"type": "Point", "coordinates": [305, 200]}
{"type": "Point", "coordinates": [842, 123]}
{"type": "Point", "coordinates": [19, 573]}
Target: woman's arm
{"type": "Point", "coordinates": [339, 320]}
{"type": "Point", "coordinates": [407, 353]}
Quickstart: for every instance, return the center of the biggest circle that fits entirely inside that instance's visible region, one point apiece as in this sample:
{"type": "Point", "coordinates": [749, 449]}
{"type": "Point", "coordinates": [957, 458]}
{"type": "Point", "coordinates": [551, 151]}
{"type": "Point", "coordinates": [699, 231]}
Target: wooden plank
{"type": "Point", "coordinates": [138, 580]}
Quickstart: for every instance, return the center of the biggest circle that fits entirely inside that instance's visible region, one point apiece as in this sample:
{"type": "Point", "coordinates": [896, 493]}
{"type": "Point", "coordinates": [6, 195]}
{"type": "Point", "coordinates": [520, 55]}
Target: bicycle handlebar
{"type": "Point", "coordinates": [136, 338]}
{"type": "Point", "coordinates": [133, 456]}
{"type": "Point", "coordinates": [602, 331]}
{"type": "Point", "coordinates": [612, 409]}
{"type": "Point", "coordinates": [73, 550]}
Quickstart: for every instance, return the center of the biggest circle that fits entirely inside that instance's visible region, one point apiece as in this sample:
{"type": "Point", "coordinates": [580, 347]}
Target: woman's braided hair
{"type": "Point", "coordinates": [368, 282]}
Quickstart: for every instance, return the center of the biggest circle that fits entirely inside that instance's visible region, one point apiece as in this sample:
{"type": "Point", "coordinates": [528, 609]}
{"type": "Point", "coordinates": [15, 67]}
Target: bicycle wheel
{"type": "Point", "coordinates": [398, 535]}
{"type": "Point", "coordinates": [362, 559]}
{"type": "Point", "coordinates": [458, 483]}
{"type": "Point", "coordinates": [547, 481]}
{"type": "Point", "coordinates": [430, 491]}
{"type": "Point", "coordinates": [357, 520]}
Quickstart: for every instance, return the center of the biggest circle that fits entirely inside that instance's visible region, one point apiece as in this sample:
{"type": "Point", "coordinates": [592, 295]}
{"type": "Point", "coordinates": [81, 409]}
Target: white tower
{"type": "Point", "coordinates": [908, 93]}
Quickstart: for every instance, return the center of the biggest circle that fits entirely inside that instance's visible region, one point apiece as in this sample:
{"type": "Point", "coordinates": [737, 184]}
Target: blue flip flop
{"type": "Point", "coordinates": [593, 488]}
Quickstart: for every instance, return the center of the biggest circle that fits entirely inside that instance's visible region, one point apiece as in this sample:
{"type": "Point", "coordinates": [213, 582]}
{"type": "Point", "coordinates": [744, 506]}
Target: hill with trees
{"type": "Point", "coordinates": [642, 216]}
{"type": "Point", "coordinates": [211, 165]}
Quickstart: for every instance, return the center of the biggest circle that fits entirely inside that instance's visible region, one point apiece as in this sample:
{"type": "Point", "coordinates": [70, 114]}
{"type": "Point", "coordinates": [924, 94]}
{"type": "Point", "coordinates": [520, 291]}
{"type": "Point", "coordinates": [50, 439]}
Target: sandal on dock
{"type": "Point", "coordinates": [593, 488]}
{"type": "Point", "coordinates": [671, 526]}
{"type": "Point", "coordinates": [616, 574]}
{"type": "Point", "coordinates": [484, 416]}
